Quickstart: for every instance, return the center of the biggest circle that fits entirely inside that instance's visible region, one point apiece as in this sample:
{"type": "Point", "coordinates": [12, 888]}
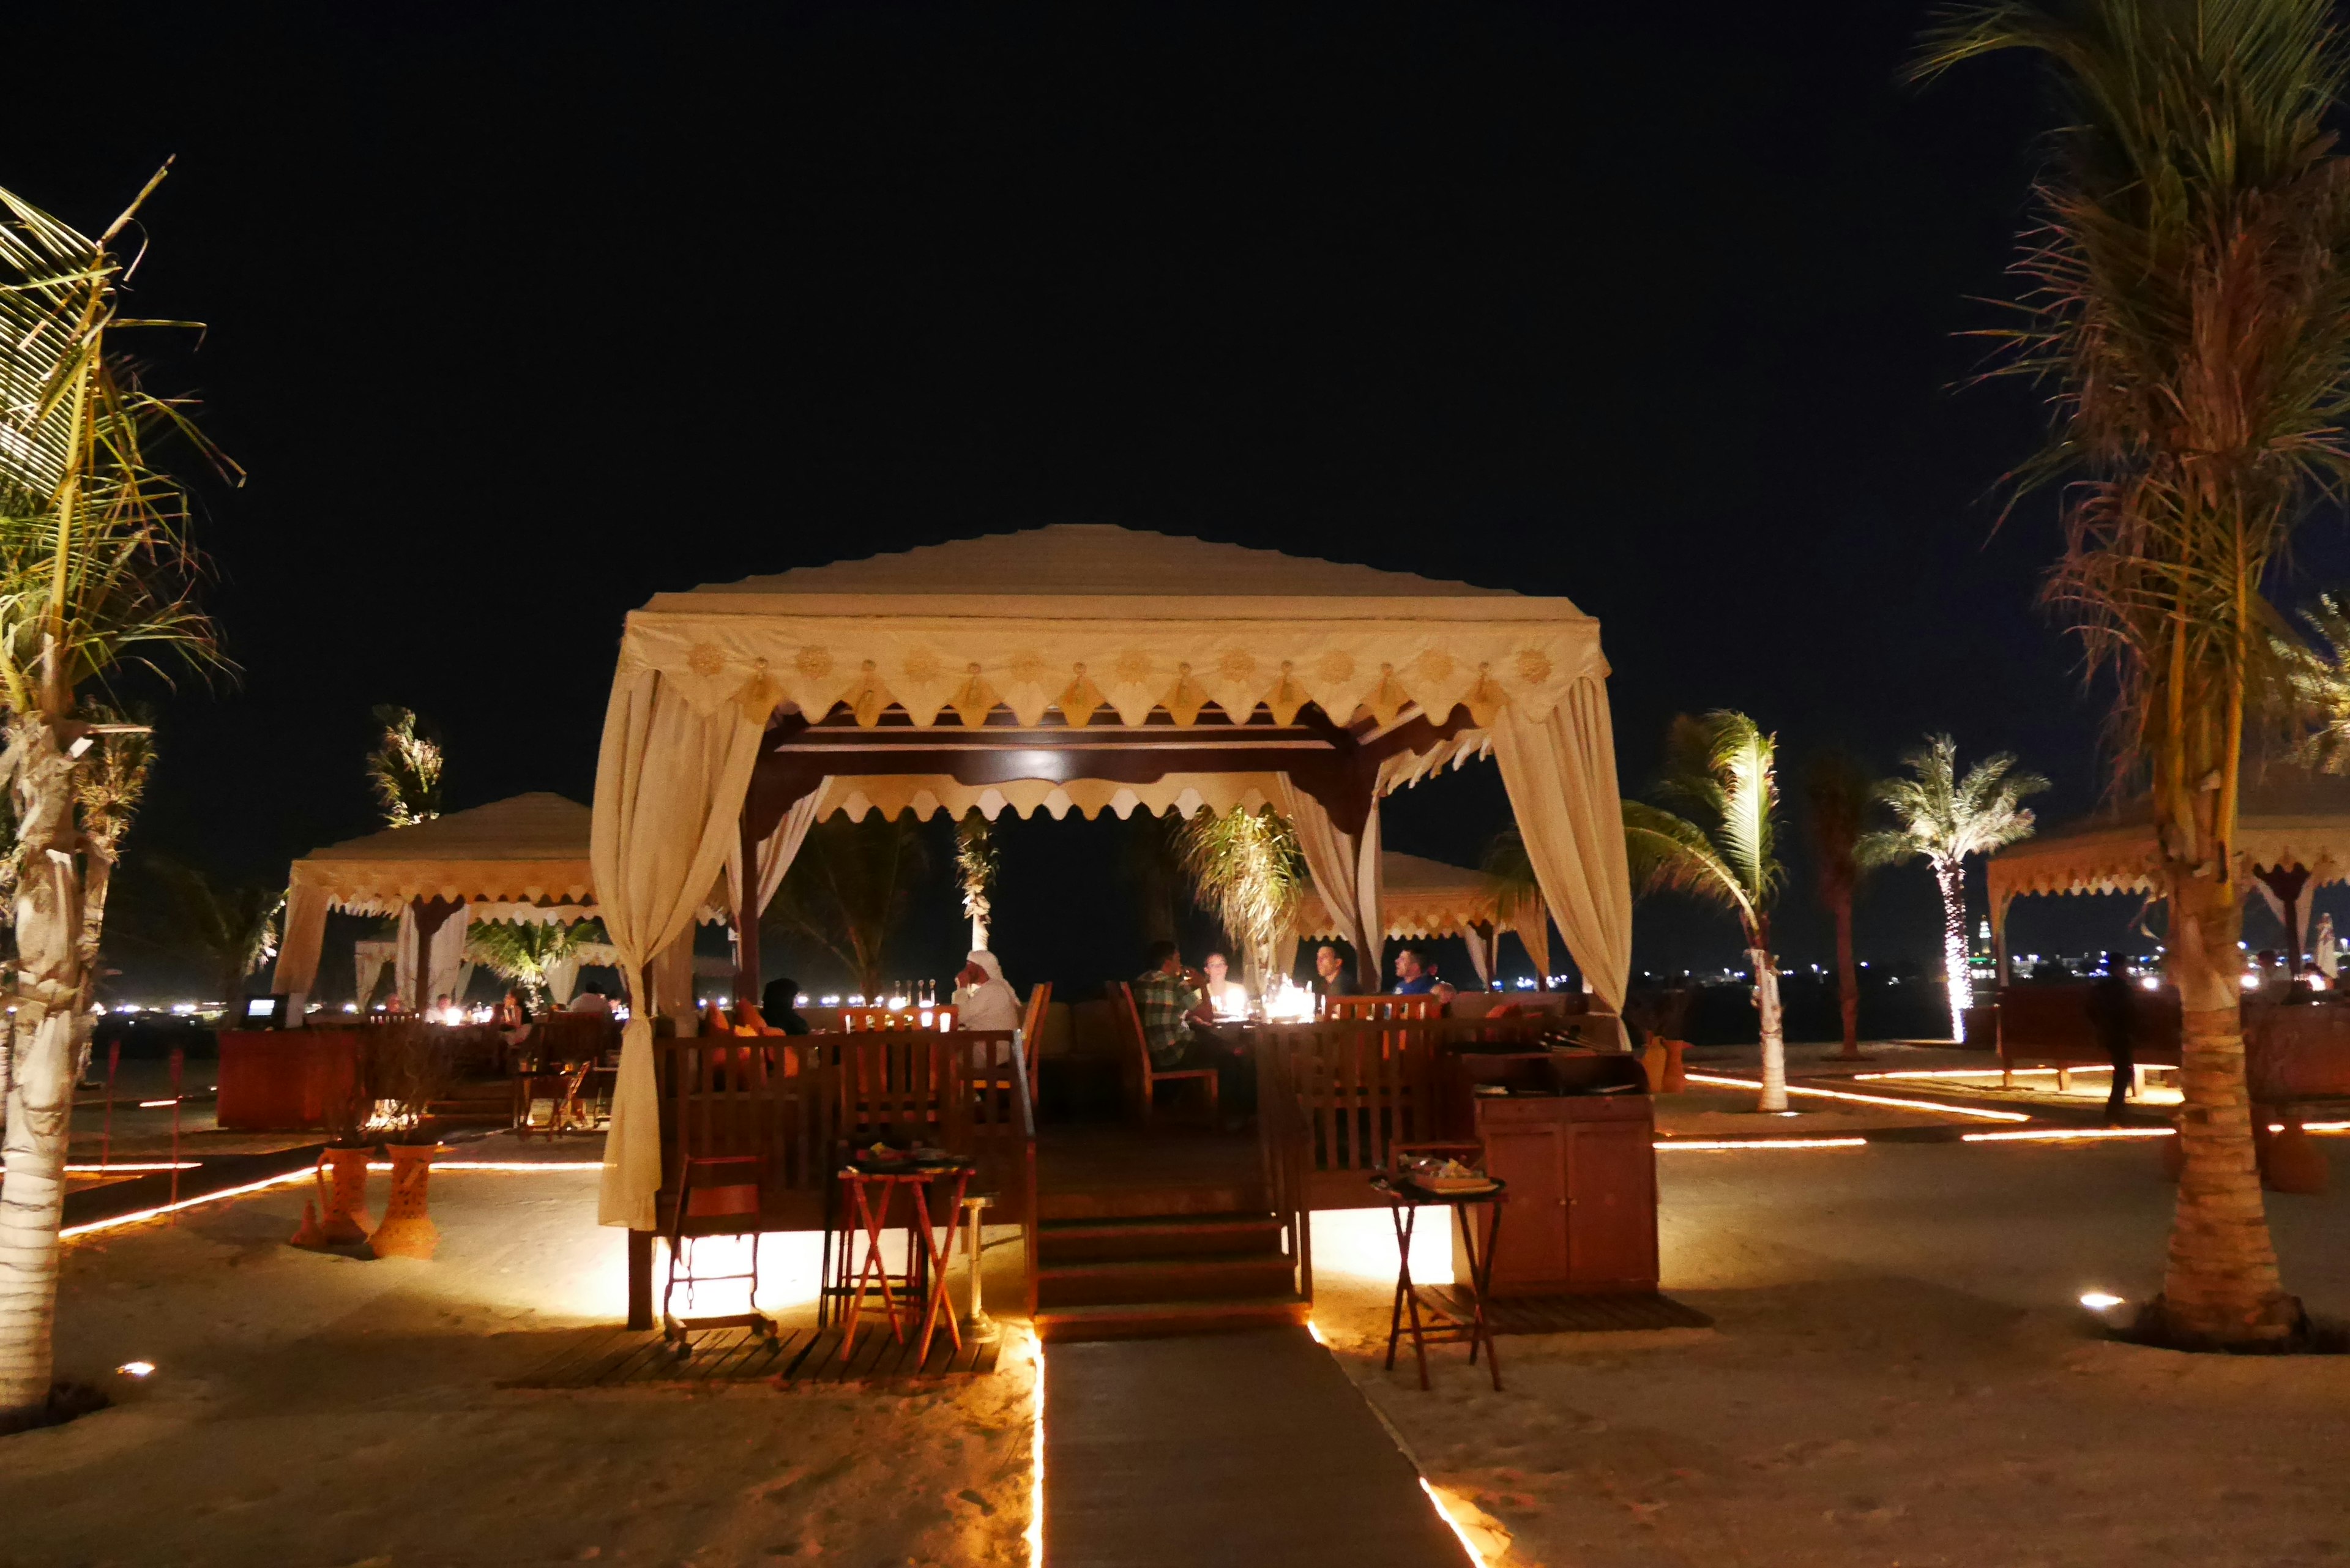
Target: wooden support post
{"type": "Point", "coordinates": [640, 1279]}
{"type": "Point", "coordinates": [746, 920]}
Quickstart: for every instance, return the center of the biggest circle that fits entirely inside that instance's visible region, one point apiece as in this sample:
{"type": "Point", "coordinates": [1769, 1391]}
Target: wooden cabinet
{"type": "Point", "coordinates": [1581, 1215]}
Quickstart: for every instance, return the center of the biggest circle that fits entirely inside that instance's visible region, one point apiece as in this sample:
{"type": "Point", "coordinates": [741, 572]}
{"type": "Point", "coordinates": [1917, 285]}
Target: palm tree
{"type": "Point", "coordinates": [977, 861]}
{"type": "Point", "coordinates": [1945, 818]}
{"type": "Point", "coordinates": [95, 574]}
{"type": "Point", "coordinates": [229, 928]}
{"type": "Point", "coordinates": [1838, 794]}
{"type": "Point", "coordinates": [404, 769]}
{"type": "Point", "coordinates": [1517, 892]}
{"type": "Point", "coordinates": [1151, 865]}
{"type": "Point", "coordinates": [1721, 845]}
{"type": "Point", "coordinates": [2183, 295]}
{"type": "Point", "coordinates": [1247, 870]}
{"type": "Point", "coordinates": [848, 888]}
{"type": "Point", "coordinates": [523, 951]}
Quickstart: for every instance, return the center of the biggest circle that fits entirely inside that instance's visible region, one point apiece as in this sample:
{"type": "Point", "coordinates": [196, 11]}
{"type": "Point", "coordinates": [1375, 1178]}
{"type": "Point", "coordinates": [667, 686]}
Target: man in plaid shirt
{"type": "Point", "coordinates": [1168, 997]}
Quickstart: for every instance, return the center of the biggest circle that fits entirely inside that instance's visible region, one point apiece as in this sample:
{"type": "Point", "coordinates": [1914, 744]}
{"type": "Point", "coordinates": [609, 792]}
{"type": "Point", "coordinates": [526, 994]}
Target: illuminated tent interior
{"type": "Point", "coordinates": [1084, 668]}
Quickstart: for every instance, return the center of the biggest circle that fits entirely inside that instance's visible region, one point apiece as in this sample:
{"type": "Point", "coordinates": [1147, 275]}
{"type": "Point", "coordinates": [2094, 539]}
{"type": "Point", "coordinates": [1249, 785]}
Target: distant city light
{"type": "Point", "coordinates": [136, 1368]}
{"type": "Point", "coordinates": [2099, 1301]}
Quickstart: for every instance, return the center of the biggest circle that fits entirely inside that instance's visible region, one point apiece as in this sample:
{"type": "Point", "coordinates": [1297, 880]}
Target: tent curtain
{"type": "Point", "coordinates": [297, 956]}
{"type": "Point", "coordinates": [1346, 870]}
{"type": "Point", "coordinates": [1534, 930]}
{"type": "Point", "coordinates": [1560, 771]}
{"type": "Point", "coordinates": [367, 961]}
{"type": "Point", "coordinates": [1481, 957]}
{"type": "Point", "coordinates": [776, 853]}
{"type": "Point", "coordinates": [403, 956]}
{"type": "Point", "coordinates": [670, 783]}
{"type": "Point", "coordinates": [445, 969]}
{"type": "Point", "coordinates": [1284, 954]}
{"type": "Point", "coordinates": [563, 979]}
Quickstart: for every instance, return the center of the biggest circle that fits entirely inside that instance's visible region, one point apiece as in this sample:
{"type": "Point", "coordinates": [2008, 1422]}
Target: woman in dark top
{"type": "Point", "coordinates": [778, 1005]}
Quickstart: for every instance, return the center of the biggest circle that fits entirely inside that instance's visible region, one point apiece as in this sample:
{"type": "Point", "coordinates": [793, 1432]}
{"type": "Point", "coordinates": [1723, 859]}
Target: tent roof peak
{"type": "Point", "coordinates": [1089, 560]}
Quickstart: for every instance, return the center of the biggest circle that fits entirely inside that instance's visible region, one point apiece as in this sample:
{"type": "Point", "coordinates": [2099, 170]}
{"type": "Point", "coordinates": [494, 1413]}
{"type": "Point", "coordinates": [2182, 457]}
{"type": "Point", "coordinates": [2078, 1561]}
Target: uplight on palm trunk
{"type": "Point", "coordinates": [2182, 294]}
{"type": "Point", "coordinates": [1715, 837]}
{"type": "Point", "coordinates": [95, 574]}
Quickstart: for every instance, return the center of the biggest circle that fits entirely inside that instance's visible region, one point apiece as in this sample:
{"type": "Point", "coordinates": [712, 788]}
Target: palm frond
{"type": "Point", "coordinates": [1247, 870]}
{"type": "Point", "coordinates": [1510, 876]}
{"type": "Point", "coordinates": [1670, 854]}
{"type": "Point", "coordinates": [404, 769]}
{"type": "Point", "coordinates": [1947, 817]}
{"type": "Point", "coordinates": [977, 861]}
{"type": "Point", "coordinates": [1839, 796]}
{"type": "Point", "coordinates": [523, 951]}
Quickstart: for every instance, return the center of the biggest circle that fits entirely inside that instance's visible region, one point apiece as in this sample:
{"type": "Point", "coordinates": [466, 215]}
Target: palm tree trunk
{"type": "Point", "coordinates": [1847, 980]}
{"type": "Point", "coordinates": [97, 876]}
{"type": "Point", "coordinates": [2220, 1283]}
{"type": "Point", "coordinates": [1774, 1034]}
{"type": "Point", "coordinates": [1951, 877]}
{"type": "Point", "coordinates": [40, 1083]}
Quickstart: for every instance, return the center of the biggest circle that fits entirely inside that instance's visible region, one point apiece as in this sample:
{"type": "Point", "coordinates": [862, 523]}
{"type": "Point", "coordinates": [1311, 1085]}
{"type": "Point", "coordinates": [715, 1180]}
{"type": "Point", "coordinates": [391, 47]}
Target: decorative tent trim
{"type": "Point", "coordinates": [526, 849]}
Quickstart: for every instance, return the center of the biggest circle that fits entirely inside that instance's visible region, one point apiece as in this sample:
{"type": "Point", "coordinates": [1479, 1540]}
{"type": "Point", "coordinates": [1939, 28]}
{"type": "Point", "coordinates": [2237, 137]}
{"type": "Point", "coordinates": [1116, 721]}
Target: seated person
{"type": "Point", "coordinates": [779, 1005]}
{"type": "Point", "coordinates": [1413, 977]}
{"type": "Point", "coordinates": [984, 999]}
{"type": "Point", "coordinates": [1331, 975]}
{"type": "Point", "coordinates": [514, 1012]}
{"type": "Point", "coordinates": [1170, 1000]}
{"type": "Point", "coordinates": [1228, 998]}
{"type": "Point", "coordinates": [591, 999]}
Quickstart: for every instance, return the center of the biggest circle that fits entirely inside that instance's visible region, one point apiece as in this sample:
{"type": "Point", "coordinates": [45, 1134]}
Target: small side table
{"type": "Point", "coordinates": [1460, 1327]}
{"type": "Point", "coordinates": [927, 1255]}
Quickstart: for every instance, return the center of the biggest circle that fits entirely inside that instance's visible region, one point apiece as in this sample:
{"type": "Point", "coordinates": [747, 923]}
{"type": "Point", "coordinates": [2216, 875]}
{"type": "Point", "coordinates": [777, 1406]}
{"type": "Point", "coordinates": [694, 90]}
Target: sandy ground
{"type": "Point", "coordinates": [1900, 1374]}
{"type": "Point", "coordinates": [312, 1409]}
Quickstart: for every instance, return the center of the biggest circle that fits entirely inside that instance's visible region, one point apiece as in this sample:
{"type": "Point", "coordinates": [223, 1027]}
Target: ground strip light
{"type": "Point", "coordinates": [1444, 1513]}
{"type": "Point", "coordinates": [1733, 1143]}
{"type": "Point", "coordinates": [1036, 1531]}
{"type": "Point", "coordinates": [2067, 1134]}
{"type": "Point", "coordinates": [132, 1167]}
{"type": "Point", "coordinates": [1943, 1106]}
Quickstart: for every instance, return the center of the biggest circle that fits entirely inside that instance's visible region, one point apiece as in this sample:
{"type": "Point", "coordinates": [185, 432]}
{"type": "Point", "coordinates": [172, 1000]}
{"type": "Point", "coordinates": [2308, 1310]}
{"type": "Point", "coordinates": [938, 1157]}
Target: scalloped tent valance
{"type": "Point", "coordinates": [526, 849]}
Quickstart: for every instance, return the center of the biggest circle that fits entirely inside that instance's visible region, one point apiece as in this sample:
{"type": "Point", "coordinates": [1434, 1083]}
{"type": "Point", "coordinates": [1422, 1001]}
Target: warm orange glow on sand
{"type": "Point", "coordinates": [1036, 1531]}
{"type": "Point", "coordinates": [142, 1215]}
{"type": "Point", "coordinates": [1718, 1144]}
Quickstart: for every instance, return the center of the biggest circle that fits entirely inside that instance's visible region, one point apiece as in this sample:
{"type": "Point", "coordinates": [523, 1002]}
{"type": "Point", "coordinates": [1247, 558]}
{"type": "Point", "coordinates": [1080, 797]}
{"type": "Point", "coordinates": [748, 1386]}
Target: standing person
{"type": "Point", "coordinates": [1228, 998]}
{"type": "Point", "coordinates": [984, 999]}
{"type": "Point", "coordinates": [2328, 951]}
{"type": "Point", "coordinates": [2110, 1005]}
{"type": "Point", "coordinates": [1413, 977]}
{"type": "Point", "coordinates": [1332, 974]}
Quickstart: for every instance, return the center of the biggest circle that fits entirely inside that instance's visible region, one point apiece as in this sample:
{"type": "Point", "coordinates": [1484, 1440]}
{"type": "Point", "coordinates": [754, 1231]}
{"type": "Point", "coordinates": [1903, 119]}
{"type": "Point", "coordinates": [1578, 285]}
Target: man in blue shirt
{"type": "Point", "coordinates": [1413, 978]}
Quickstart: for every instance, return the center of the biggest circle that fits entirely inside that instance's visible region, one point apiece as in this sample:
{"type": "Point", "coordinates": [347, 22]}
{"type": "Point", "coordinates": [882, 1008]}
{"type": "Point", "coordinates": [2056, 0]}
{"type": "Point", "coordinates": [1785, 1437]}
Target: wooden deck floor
{"type": "Point", "coordinates": [618, 1358]}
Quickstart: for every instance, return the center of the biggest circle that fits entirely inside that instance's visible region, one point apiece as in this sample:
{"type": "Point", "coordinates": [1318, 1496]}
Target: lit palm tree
{"type": "Point", "coordinates": [1247, 870]}
{"type": "Point", "coordinates": [96, 574]}
{"type": "Point", "coordinates": [524, 951]}
{"type": "Point", "coordinates": [1838, 795]}
{"type": "Point", "coordinates": [1715, 836]}
{"type": "Point", "coordinates": [404, 770]}
{"type": "Point", "coordinates": [1945, 818]}
{"type": "Point", "coordinates": [977, 861]}
{"type": "Point", "coordinates": [2184, 296]}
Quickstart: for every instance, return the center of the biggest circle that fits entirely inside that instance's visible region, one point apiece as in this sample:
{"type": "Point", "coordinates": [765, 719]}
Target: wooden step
{"type": "Point", "coordinates": [1156, 1236]}
{"type": "Point", "coordinates": [1148, 1202]}
{"type": "Point", "coordinates": [1146, 1320]}
{"type": "Point", "coordinates": [1199, 1277]}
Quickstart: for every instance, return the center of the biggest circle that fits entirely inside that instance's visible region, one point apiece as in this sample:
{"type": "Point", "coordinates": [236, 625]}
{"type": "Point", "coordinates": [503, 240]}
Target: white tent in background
{"type": "Point", "coordinates": [1087, 667]}
{"type": "Point", "coordinates": [1422, 897]}
{"type": "Point", "coordinates": [521, 859]}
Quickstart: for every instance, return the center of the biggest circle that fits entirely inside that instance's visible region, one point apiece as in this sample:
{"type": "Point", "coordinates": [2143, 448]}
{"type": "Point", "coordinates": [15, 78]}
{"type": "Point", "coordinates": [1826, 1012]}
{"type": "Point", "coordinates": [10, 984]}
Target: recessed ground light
{"type": "Point", "coordinates": [2099, 1301]}
{"type": "Point", "coordinates": [135, 1368]}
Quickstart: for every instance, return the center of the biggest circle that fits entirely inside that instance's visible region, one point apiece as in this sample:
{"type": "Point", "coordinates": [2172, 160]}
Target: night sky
{"type": "Point", "coordinates": [520, 316]}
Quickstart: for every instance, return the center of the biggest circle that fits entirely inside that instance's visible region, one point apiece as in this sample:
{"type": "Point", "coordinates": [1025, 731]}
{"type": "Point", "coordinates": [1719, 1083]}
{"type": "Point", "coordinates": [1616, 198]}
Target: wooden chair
{"type": "Point", "coordinates": [1032, 1030]}
{"type": "Point", "coordinates": [1129, 1022]}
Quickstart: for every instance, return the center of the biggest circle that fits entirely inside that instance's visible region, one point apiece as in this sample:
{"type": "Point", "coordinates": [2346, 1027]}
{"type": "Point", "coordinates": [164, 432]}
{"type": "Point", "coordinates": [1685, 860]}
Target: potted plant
{"type": "Point", "coordinates": [338, 1217]}
{"type": "Point", "coordinates": [417, 1063]}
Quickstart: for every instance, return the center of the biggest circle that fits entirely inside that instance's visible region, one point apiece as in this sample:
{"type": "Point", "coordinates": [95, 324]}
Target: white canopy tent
{"type": "Point", "coordinates": [2293, 834]}
{"type": "Point", "coordinates": [521, 859]}
{"type": "Point", "coordinates": [1086, 667]}
{"type": "Point", "coordinates": [1422, 898]}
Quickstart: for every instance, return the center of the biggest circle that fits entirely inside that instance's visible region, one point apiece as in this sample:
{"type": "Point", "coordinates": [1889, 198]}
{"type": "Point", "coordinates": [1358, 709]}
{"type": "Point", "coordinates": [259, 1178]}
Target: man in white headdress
{"type": "Point", "coordinates": [2329, 950]}
{"type": "Point", "coordinates": [984, 999]}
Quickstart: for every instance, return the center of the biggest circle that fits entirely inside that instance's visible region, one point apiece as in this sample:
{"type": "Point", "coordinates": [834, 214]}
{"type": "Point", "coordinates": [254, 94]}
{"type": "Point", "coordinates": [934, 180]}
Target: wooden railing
{"type": "Point", "coordinates": [1350, 1091]}
{"type": "Point", "coordinates": [800, 1103]}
